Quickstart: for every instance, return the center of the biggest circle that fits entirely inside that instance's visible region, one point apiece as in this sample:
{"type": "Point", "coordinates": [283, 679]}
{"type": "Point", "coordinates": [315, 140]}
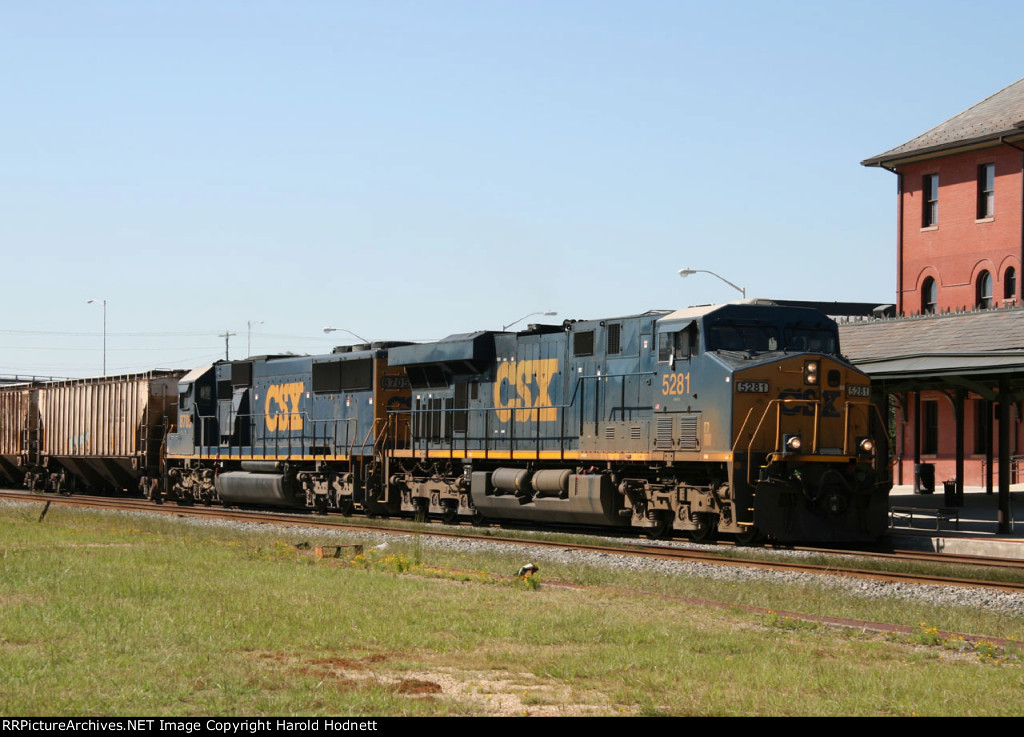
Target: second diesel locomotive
{"type": "Point", "coordinates": [740, 418]}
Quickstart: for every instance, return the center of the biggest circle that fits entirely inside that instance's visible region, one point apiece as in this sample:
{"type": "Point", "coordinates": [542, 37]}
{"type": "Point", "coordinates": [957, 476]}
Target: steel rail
{"type": "Point", "coordinates": [661, 552]}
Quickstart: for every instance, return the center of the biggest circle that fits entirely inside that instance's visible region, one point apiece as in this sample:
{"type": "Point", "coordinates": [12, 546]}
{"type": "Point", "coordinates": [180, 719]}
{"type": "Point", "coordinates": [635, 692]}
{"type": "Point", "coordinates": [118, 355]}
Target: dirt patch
{"type": "Point", "coordinates": [488, 692]}
{"type": "Point", "coordinates": [8, 600]}
{"type": "Point", "coordinates": [417, 687]}
{"type": "Point", "coordinates": [493, 693]}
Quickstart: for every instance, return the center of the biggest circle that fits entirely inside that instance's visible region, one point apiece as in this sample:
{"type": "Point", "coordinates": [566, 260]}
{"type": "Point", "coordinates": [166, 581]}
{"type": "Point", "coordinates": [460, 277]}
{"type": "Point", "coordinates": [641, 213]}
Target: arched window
{"type": "Point", "coordinates": [983, 291]}
{"type": "Point", "coordinates": [929, 295]}
{"type": "Point", "coordinates": [1010, 285]}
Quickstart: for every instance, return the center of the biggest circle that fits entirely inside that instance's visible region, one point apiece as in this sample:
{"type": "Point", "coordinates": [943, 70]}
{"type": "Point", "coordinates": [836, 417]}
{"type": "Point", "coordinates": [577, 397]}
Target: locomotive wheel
{"type": "Point", "coordinates": [450, 515]}
{"type": "Point", "coordinates": [320, 504]}
{"type": "Point", "coordinates": [345, 506]}
{"type": "Point", "coordinates": [707, 525]}
{"type": "Point", "coordinates": [662, 527]}
{"type": "Point", "coordinates": [749, 536]}
{"type": "Point", "coordinates": [478, 519]}
{"type": "Point", "coordinates": [421, 510]}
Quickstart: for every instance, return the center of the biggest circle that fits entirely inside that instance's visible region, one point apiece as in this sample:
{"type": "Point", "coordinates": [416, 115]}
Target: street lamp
{"type": "Point", "coordinates": [104, 303]}
{"type": "Point", "coordinates": [686, 272]}
{"type": "Point", "coordinates": [506, 327]}
{"type": "Point", "coordinates": [345, 330]}
{"type": "Point", "coordinates": [248, 342]}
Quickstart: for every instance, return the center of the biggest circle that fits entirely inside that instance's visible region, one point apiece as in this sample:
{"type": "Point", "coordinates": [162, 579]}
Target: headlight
{"type": "Point", "coordinates": [866, 445]}
{"type": "Point", "coordinates": [792, 443]}
{"type": "Point", "coordinates": [810, 372]}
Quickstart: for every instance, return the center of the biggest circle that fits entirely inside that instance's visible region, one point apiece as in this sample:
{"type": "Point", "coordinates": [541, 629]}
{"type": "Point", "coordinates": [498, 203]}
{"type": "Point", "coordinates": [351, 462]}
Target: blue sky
{"type": "Point", "coordinates": [407, 170]}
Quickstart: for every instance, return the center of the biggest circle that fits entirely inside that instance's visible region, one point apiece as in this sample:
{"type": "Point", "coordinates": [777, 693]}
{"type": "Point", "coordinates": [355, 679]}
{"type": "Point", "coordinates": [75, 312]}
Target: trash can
{"type": "Point", "coordinates": [952, 498]}
{"type": "Point", "coordinates": [924, 478]}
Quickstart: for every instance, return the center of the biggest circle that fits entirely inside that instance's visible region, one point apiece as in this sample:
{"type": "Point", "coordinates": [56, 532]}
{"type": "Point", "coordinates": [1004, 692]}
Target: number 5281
{"type": "Point", "coordinates": [675, 384]}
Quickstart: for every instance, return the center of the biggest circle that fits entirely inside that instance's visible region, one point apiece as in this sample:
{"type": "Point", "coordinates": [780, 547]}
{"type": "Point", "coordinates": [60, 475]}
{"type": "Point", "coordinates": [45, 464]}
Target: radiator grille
{"type": "Point", "coordinates": [663, 438]}
{"type": "Point", "coordinates": [688, 433]}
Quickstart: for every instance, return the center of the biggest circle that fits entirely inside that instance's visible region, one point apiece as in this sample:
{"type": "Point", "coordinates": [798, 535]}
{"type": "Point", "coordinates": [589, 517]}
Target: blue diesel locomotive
{"type": "Point", "coordinates": [740, 418]}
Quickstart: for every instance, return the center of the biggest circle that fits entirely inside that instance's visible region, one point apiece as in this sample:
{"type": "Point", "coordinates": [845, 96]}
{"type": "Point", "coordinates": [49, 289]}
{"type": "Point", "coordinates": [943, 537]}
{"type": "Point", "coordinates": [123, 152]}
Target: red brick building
{"type": "Point", "coordinates": [960, 246]}
{"type": "Point", "coordinates": [960, 208]}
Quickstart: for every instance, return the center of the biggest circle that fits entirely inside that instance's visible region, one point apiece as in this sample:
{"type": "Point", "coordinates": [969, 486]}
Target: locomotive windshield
{"type": "Point", "coordinates": [752, 337]}
{"type": "Point", "coordinates": [734, 336]}
{"type": "Point", "coordinates": [812, 340]}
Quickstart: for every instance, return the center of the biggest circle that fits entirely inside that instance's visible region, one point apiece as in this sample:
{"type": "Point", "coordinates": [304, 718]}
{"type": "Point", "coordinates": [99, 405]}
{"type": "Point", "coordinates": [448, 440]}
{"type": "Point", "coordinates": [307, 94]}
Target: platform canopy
{"type": "Point", "coordinates": [979, 351]}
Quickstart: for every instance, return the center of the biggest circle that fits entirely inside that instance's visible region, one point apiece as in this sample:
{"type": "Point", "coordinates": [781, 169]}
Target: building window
{"type": "Point", "coordinates": [930, 431]}
{"type": "Point", "coordinates": [930, 212]}
{"type": "Point", "coordinates": [1010, 285]}
{"type": "Point", "coordinates": [986, 191]}
{"type": "Point", "coordinates": [983, 291]}
{"type": "Point", "coordinates": [929, 295]}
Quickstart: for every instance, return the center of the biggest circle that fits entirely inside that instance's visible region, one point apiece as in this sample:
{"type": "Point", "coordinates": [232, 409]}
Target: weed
{"type": "Point", "coordinates": [390, 563]}
{"type": "Point", "coordinates": [986, 650]}
{"type": "Point", "coordinates": [279, 550]}
{"type": "Point", "coordinates": [530, 581]}
{"type": "Point", "coordinates": [925, 635]}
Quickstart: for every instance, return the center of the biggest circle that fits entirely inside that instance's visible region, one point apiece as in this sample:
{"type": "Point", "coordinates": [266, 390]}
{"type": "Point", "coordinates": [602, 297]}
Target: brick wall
{"type": "Point", "coordinates": [960, 246]}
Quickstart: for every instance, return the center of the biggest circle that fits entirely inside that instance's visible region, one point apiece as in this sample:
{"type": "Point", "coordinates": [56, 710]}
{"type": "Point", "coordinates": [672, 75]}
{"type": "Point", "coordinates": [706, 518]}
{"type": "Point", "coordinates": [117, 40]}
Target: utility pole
{"type": "Point", "coordinates": [226, 336]}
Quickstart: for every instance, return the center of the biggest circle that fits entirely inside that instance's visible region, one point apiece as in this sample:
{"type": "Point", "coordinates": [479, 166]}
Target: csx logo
{"type": "Point", "coordinates": [282, 406]}
{"type": "Point", "coordinates": [525, 384]}
{"type": "Point", "coordinates": [807, 409]}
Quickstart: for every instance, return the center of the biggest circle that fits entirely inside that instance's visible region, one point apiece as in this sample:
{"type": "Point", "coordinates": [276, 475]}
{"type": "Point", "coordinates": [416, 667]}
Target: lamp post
{"type": "Point", "coordinates": [531, 314]}
{"type": "Point", "coordinates": [104, 303]}
{"type": "Point", "coordinates": [248, 340]}
{"type": "Point", "coordinates": [686, 272]}
{"type": "Point", "coordinates": [345, 330]}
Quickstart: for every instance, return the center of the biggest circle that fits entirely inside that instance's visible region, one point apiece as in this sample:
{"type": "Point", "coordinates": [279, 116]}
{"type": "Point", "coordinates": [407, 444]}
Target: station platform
{"type": "Point", "coordinates": [926, 522]}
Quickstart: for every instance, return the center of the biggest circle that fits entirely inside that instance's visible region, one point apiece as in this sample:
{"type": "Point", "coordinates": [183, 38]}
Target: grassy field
{"type": "Point", "coordinates": [106, 614]}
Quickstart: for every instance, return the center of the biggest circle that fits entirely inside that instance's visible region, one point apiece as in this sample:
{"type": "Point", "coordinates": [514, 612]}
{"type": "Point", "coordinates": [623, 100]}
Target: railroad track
{"type": "Point", "coordinates": [639, 549]}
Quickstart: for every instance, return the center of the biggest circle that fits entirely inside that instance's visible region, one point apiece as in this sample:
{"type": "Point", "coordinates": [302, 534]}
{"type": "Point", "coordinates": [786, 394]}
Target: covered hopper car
{"type": "Point", "coordinates": [103, 434]}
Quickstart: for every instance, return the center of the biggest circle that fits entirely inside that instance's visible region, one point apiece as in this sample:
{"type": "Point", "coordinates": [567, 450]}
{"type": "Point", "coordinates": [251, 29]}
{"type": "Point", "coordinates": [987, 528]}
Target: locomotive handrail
{"type": "Point", "coordinates": [777, 403]}
{"type": "Point", "coordinates": [304, 440]}
{"type": "Point", "coordinates": [486, 439]}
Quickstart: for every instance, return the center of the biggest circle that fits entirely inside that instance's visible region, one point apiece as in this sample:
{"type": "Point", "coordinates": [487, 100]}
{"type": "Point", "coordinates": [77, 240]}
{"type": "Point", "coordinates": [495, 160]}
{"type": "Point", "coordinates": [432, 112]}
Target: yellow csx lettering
{"type": "Point", "coordinates": [282, 406]}
{"type": "Point", "coordinates": [516, 381]}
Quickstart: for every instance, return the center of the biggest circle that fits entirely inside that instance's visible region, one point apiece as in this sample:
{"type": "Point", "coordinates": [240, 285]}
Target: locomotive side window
{"type": "Point", "coordinates": [680, 344]}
